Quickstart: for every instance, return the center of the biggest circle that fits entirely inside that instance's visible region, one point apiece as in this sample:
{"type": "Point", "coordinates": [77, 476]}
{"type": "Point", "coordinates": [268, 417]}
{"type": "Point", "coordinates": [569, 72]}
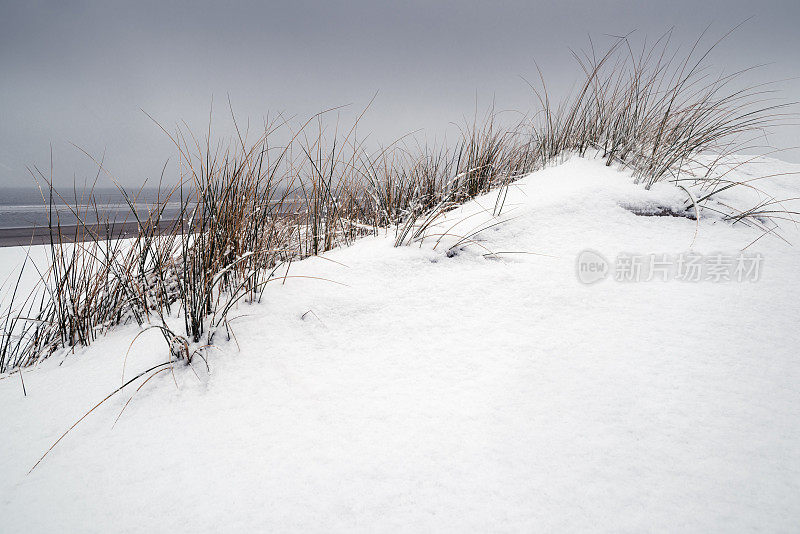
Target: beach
{"type": "Point", "coordinates": [40, 235]}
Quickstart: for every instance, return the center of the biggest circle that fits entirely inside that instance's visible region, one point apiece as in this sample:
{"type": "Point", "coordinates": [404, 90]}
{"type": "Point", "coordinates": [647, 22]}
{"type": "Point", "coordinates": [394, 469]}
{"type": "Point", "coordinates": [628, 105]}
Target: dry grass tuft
{"type": "Point", "coordinates": [250, 208]}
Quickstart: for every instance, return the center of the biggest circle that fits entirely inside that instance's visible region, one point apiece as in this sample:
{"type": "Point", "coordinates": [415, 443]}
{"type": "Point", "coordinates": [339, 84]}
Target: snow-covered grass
{"type": "Point", "coordinates": [449, 392]}
{"type": "Point", "coordinates": [249, 209]}
{"type": "Point", "coordinates": [331, 338]}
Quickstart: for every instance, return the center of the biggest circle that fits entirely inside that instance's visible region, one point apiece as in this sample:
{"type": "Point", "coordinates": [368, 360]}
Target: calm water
{"type": "Point", "coordinates": [24, 207]}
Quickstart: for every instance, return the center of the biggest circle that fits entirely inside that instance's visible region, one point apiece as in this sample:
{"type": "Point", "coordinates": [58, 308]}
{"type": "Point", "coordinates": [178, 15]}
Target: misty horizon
{"type": "Point", "coordinates": [82, 75]}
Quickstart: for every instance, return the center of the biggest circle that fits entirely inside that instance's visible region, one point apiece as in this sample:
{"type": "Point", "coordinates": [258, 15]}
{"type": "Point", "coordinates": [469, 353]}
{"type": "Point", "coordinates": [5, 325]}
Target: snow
{"type": "Point", "coordinates": [448, 392]}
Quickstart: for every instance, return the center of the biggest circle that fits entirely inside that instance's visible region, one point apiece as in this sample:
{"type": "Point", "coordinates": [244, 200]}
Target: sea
{"type": "Point", "coordinates": [25, 207]}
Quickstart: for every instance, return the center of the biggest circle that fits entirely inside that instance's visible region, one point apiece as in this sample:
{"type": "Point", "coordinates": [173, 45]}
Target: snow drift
{"type": "Point", "coordinates": [447, 386]}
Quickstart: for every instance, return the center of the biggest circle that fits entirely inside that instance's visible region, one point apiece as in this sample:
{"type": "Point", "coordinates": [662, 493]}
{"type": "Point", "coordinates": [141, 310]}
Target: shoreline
{"type": "Point", "coordinates": [40, 235]}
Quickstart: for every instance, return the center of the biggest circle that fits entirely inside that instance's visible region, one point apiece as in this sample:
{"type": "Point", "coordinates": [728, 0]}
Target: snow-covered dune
{"type": "Point", "coordinates": [481, 387]}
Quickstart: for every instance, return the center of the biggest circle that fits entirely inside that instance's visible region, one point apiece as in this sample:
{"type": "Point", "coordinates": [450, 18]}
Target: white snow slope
{"type": "Point", "coordinates": [436, 393]}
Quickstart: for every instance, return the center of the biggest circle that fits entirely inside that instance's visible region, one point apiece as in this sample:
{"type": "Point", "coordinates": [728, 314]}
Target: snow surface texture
{"type": "Point", "coordinates": [445, 393]}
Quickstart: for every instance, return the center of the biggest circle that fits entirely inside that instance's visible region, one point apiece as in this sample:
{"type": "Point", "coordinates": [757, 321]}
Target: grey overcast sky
{"type": "Point", "coordinates": [79, 71]}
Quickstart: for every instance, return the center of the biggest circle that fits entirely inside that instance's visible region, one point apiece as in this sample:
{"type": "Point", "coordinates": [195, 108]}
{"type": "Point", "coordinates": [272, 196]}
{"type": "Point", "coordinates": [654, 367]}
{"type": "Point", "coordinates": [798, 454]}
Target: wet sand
{"type": "Point", "coordinates": [16, 237]}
